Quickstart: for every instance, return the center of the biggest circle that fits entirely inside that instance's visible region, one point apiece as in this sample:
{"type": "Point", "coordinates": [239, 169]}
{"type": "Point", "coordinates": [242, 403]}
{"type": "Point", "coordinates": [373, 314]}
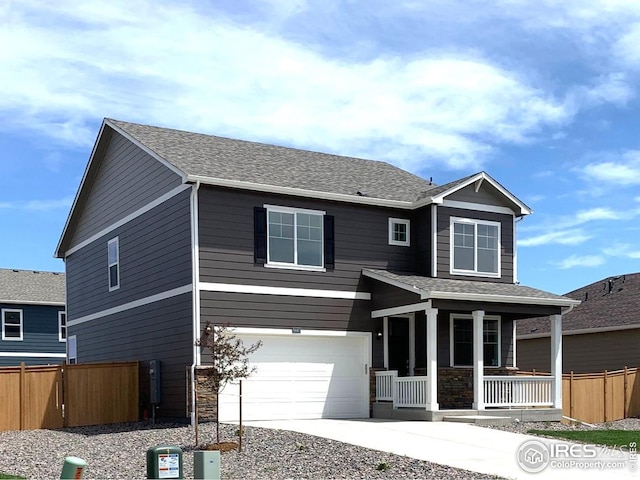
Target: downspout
{"type": "Point", "coordinates": [195, 291]}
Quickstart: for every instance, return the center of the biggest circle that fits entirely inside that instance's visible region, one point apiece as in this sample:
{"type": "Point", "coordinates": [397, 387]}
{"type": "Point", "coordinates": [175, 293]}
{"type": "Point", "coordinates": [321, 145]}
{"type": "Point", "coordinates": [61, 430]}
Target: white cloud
{"type": "Point", "coordinates": [622, 169]}
{"type": "Point", "coordinates": [168, 64]}
{"type": "Point", "coordinates": [622, 250]}
{"type": "Point", "coordinates": [580, 261]}
{"type": "Point", "coordinates": [562, 237]}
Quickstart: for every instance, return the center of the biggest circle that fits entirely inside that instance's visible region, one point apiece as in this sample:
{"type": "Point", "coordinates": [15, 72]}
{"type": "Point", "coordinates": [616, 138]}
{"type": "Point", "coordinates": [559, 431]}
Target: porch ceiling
{"type": "Point", "coordinates": [466, 290]}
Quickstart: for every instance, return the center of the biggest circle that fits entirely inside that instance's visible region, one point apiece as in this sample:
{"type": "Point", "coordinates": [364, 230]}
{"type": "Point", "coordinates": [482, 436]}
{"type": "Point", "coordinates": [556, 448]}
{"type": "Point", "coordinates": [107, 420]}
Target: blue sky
{"type": "Point", "coordinates": [543, 95]}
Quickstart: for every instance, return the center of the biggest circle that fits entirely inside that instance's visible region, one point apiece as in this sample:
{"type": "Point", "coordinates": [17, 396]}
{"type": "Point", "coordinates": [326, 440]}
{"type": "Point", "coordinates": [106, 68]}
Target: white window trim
{"type": "Point", "coordinates": [60, 337]}
{"type": "Point", "coordinates": [400, 221]}
{"type": "Point", "coordinates": [294, 266]}
{"type": "Point", "coordinates": [465, 316]}
{"type": "Point", "coordinates": [475, 272]}
{"type": "Point", "coordinates": [115, 240]}
{"type": "Point", "coordinates": [13, 310]}
{"type": "Point", "coordinates": [72, 349]}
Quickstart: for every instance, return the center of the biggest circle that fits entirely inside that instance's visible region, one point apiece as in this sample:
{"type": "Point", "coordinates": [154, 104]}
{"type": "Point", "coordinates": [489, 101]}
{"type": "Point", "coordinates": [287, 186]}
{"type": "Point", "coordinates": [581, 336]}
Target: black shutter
{"type": "Point", "coordinates": [329, 243]}
{"type": "Point", "coordinates": [260, 235]}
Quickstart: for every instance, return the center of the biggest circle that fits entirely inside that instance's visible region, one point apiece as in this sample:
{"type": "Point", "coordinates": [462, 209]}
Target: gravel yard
{"type": "Point", "coordinates": [119, 451]}
{"type": "Point", "coordinates": [626, 424]}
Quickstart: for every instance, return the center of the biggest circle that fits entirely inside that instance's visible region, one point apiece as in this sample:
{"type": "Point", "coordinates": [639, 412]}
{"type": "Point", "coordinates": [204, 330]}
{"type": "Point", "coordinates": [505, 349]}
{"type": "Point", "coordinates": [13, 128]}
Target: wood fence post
{"type": "Point", "coordinates": [571, 400]}
{"type": "Point", "coordinates": [625, 409]}
{"type": "Point", "coordinates": [605, 395]}
{"type": "Point", "coordinates": [23, 396]}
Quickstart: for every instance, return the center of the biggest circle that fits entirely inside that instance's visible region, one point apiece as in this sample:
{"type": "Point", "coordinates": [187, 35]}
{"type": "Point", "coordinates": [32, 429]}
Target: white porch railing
{"type": "Point", "coordinates": [384, 384]}
{"type": "Point", "coordinates": [517, 391]}
{"type": "Point", "coordinates": [405, 392]}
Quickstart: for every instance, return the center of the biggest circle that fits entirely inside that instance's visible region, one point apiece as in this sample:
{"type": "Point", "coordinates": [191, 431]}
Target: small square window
{"type": "Point", "coordinates": [399, 232]}
{"type": "Point", "coordinates": [12, 324]}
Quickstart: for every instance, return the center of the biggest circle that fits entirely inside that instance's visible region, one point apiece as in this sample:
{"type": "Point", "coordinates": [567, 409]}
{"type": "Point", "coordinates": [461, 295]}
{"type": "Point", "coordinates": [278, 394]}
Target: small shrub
{"type": "Point", "coordinates": [300, 447]}
{"type": "Point", "coordinates": [382, 466]}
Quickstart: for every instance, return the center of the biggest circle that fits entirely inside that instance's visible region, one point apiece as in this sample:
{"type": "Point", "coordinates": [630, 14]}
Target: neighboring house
{"type": "Point", "coordinates": [602, 333]}
{"type": "Point", "coordinates": [33, 317]}
{"type": "Point", "coordinates": [341, 266]}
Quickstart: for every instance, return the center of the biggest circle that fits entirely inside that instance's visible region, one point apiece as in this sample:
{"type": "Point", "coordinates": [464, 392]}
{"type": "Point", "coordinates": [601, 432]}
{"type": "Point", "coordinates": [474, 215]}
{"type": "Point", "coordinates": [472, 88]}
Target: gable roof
{"type": "Point", "coordinates": [608, 304]}
{"type": "Point", "coordinates": [32, 287]}
{"type": "Point", "coordinates": [468, 290]}
{"type": "Point", "coordinates": [208, 158]}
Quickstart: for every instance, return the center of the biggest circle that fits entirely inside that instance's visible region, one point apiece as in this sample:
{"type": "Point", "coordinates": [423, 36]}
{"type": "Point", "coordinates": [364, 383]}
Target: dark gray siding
{"type": "Point", "coordinates": [444, 340]}
{"type": "Point", "coordinates": [483, 196]}
{"type": "Point", "coordinates": [159, 331]}
{"type": "Point", "coordinates": [128, 179]}
{"type": "Point", "coordinates": [388, 296]}
{"type": "Point", "coordinates": [226, 242]}
{"type": "Point", "coordinates": [506, 232]}
{"type": "Point", "coordinates": [39, 333]}
{"type": "Point", "coordinates": [422, 238]}
{"type": "Point", "coordinates": [586, 353]}
{"type": "Point", "coordinates": [155, 256]}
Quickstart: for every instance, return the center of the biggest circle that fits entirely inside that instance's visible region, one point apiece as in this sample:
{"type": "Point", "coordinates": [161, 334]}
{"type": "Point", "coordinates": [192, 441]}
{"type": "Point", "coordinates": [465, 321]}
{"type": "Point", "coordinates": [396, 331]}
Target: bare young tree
{"type": "Point", "coordinates": [229, 359]}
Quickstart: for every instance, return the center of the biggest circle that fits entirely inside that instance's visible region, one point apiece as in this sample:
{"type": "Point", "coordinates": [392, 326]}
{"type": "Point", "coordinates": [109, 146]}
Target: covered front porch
{"type": "Point", "coordinates": [447, 352]}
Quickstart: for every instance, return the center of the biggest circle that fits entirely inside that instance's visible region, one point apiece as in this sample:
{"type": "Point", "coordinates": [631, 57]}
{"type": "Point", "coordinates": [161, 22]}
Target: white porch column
{"type": "Point", "coordinates": [556, 360]}
{"type": "Point", "coordinates": [385, 341]}
{"type": "Point", "coordinates": [478, 360]}
{"type": "Point", "coordinates": [432, 358]}
{"type": "Point", "coordinates": [412, 345]}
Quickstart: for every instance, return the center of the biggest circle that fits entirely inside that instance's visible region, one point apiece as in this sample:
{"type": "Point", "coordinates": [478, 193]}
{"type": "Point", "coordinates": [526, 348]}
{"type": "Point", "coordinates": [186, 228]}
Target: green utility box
{"type": "Point", "coordinates": [206, 465]}
{"type": "Point", "coordinates": [164, 462]}
{"type": "Point", "coordinates": [73, 468]}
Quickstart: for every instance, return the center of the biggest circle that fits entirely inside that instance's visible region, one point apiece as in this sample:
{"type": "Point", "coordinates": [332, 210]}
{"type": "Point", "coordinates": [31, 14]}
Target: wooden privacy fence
{"type": "Point", "coordinates": [600, 397]}
{"type": "Point", "coordinates": [68, 395]}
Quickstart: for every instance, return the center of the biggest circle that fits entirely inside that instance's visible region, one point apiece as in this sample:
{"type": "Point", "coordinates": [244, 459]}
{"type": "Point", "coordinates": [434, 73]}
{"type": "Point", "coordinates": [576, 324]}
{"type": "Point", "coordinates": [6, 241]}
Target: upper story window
{"type": "Point", "coordinates": [293, 238]}
{"type": "Point", "coordinates": [462, 341]}
{"type": "Point", "coordinates": [399, 231]}
{"type": "Point", "coordinates": [62, 326]}
{"type": "Point", "coordinates": [475, 247]}
{"type": "Point", "coordinates": [12, 324]}
{"type": "Point", "coordinates": [113, 253]}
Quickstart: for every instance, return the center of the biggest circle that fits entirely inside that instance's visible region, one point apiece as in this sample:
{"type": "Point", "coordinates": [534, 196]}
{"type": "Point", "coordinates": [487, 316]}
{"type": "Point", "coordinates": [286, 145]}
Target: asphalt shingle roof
{"type": "Point", "coordinates": [445, 285]}
{"type": "Point", "coordinates": [224, 158]}
{"type": "Point", "coordinates": [610, 302]}
{"type": "Point", "coordinates": [24, 286]}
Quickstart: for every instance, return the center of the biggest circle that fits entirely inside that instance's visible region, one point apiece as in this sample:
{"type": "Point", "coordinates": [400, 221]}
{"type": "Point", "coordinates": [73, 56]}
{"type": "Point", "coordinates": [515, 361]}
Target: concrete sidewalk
{"type": "Point", "coordinates": [459, 445]}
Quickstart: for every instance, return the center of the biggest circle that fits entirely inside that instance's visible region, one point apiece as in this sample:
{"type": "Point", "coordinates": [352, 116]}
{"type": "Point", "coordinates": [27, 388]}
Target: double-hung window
{"type": "Point", "coordinates": [113, 254]}
{"type": "Point", "coordinates": [475, 247]}
{"type": "Point", "coordinates": [62, 326]}
{"type": "Point", "coordinates": [462, 341]}
{"type": "Point", "coordinates": [295, 238]}
{"type": "Point", "coordinates": [12, 324]}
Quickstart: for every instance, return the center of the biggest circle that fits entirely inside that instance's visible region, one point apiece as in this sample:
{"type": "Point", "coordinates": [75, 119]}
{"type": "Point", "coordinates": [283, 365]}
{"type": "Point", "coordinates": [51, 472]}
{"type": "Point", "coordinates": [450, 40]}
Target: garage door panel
{"type": "Point", "coordinates": [302, 377]}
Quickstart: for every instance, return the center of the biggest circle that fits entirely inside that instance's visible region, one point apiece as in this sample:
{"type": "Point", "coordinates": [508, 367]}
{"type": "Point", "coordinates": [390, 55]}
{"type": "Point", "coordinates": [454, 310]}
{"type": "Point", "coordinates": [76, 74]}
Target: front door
{"type": "Point", "coordinates": [399, 345]}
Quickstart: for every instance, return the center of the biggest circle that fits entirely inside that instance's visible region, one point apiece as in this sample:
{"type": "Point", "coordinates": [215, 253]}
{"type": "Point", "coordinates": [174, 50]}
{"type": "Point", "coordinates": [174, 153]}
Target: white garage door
{"type": "Point", "coordinates": [302, 376]}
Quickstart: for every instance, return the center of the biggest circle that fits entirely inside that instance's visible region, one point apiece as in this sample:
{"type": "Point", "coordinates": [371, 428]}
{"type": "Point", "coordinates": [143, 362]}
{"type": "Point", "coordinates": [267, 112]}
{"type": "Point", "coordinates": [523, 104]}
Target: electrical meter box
{"type": "Point", "coordinates": [164, 462]}
{"type": "Point", "coordinates": [155, 392]}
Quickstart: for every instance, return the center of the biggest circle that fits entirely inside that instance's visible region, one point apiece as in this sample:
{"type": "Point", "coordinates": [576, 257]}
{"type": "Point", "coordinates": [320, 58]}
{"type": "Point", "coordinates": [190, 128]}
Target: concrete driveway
{"type": "Point", "coordinates": [478, 449]}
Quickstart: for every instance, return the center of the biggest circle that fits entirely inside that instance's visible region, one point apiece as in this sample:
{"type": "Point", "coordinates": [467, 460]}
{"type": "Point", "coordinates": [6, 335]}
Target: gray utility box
{"type": "Point", "coordinates": [206, 465]}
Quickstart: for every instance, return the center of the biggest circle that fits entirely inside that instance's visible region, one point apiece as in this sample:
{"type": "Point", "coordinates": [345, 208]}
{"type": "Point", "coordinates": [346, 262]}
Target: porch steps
{"type": "Point", "coordinates": [480, 420]}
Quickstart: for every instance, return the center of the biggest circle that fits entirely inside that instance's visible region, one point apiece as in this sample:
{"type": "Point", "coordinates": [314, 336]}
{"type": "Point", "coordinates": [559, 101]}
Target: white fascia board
{"type": "Point", "coordinates": [147, 150]}
{"type": "Point", "coordinates": [303, 332]}
{"type": "Point", "coordinates": [33, 302]}
{"type": "Point", "coordinates": [477, 207]}
{"type": "Point", "coordinates": [395, 283]}
{"type": "Point", "coordinates": [580, 331]}
{"type": "Point", "coordinates": [300, 192]}
{"type": "Point", "coordinates": [284, 291]}
{"type": "Point", "coordinates": [33, 354]}
{"type": "Point", "coordinates": [486, 297]}
{"type": "Point", "coordinates": [390, 312]}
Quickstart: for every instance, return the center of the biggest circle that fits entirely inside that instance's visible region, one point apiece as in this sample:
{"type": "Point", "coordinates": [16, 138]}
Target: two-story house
{"type": "Point", "coordinates": [344, 268]}
{"type": "Point", "coordinates": [33, 318]}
